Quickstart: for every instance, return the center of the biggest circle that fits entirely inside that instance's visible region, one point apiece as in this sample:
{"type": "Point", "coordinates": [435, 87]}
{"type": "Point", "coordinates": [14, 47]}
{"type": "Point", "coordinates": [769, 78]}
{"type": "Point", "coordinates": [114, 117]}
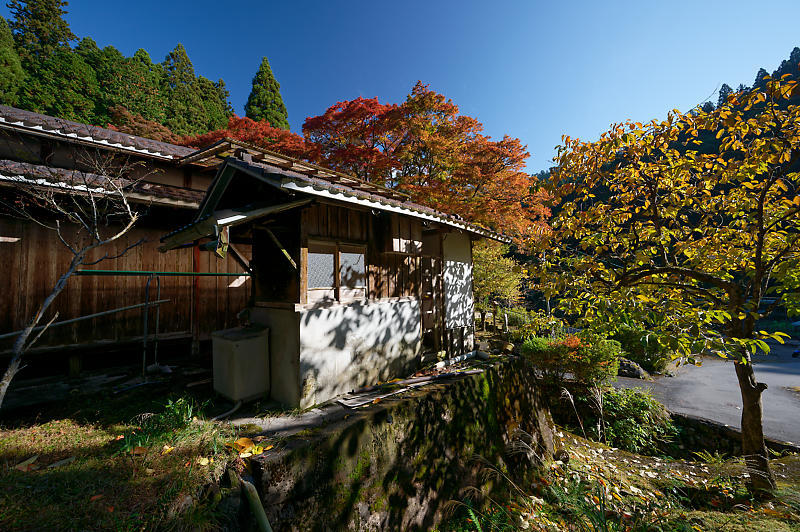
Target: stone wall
{"type": "Point", "coordinates": [400, 463]}
{"type": "Point", "coordinates": [698, 434]}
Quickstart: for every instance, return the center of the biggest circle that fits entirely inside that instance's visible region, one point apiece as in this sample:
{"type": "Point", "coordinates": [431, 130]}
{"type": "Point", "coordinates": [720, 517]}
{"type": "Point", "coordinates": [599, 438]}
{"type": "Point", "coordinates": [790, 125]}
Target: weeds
{"type": "Point", "coordinates": [151, 429]}
{"type": "Point", "coordinates": [608, 490]}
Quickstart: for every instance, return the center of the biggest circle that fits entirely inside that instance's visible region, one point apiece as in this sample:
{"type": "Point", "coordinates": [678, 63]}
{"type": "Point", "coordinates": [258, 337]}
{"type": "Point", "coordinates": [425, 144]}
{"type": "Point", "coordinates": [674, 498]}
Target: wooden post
{"type": "Point", "coordinates": [195, 312]}
{"type": "Point", "coordinates": [303, 266]}
{"type": "Point", "coordinates": [74, 366]}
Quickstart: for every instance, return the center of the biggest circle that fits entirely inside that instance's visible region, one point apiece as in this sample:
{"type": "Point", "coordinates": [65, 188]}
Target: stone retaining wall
{"type": "Point", "coordinates": [698, 433]}
{"type": "Point", "coordinates": [400, 463]}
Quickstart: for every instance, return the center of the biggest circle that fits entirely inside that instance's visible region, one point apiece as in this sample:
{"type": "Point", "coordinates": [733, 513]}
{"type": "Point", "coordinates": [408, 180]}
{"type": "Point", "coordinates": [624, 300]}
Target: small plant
{"type": "Point", "coordinates": [715, 459]}
{"type": "Point", "coordinates": [157, 428]}
{"type": "Point", "coordinates": [632, 420]}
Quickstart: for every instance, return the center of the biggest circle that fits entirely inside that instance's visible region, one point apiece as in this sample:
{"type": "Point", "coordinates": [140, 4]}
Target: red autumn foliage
{"type": "Point", "coordinates": [425, 148]}
{"type": "Point", "coordinates": [357, 137]}
{"type": "Point", "coordinates": [259, 134]}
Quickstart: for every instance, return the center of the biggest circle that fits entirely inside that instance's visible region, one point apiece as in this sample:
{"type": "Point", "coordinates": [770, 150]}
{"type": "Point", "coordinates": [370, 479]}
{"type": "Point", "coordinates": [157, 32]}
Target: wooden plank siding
{"type": "Point", "coordinates": [31, 267]}
{"type": "Point", "coordinates": [389, 274]}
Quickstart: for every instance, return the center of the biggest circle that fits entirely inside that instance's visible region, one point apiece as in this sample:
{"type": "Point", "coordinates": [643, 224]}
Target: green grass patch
{"type": "Point", "coordinates": [122, 463]}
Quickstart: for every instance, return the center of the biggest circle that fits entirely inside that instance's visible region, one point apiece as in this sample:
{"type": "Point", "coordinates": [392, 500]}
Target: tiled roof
{"type": "Point", "coordinates": [307, 177]}
{"type": "Point", "coordinates": [307, 184]}
{"type": "Point", "coordinates": [311, 179]}
{"type": "Point", "coordinates": [13, 118]}
{"type": "Point", "coordinates": [15, 172]}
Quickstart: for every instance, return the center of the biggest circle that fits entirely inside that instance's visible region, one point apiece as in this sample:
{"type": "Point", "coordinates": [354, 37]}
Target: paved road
{"type": "Point", "coordinates": [712, 391]}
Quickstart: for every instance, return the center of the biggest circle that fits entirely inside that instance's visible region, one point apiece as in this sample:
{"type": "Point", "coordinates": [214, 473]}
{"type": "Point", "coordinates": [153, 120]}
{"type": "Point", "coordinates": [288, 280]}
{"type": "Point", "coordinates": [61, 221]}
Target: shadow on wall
{"type": "Point", "coordinates": [345, 347]}
{"type": "Point", "coordinates": [399, 465]}
{"type": "Point", "coordinates": [459, 308]}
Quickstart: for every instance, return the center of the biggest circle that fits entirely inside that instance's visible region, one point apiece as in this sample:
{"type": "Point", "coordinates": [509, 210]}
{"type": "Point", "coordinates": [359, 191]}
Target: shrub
{"type": "Point", "coordinates": [538, 324]}
{"type": "Point", "coordinates": [632, 420]}
{"type": "Point", "coordinates": [643, 347]}
{"type": "Point", "coordinates": [589, 359]}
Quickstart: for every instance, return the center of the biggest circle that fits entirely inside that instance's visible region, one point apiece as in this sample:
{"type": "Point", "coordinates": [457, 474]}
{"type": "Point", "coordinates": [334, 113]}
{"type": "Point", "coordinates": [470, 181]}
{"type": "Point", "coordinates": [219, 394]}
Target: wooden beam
{"type": "Point", "coordinates": [280, 246]}
{"type": "Point", "coordinates": [238, 257]}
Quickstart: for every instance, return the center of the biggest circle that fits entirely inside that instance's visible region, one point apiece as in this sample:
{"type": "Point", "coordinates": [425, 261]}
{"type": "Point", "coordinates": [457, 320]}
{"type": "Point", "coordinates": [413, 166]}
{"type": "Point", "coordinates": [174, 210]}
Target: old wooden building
{"type": "Point", "coordinates": [38, 150]}
{"type": "Point", "coordinates": [354, 281]}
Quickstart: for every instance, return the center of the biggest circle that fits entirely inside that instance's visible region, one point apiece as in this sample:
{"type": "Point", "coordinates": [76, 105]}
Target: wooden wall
{"type": "Point", "coordinates": [31, 266]}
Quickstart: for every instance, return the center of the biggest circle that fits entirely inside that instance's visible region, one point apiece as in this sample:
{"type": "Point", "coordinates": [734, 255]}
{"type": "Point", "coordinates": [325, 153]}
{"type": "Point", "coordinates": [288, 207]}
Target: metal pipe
{"type": "Point", "coordinates": [146, 273]}
{"type": "Point", "coordinates": [158, 317]}
{"type": "Point", "coordinates": [87, 317]}
{"type": "Point", "coordinates": [146, 320]}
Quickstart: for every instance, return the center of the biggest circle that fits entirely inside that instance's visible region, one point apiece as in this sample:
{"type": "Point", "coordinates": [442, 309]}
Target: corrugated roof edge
{"type": "Point", "coordinates": [16, 172]}
{"type": "Point", "coordinates": [407, 208]}
{"type": "Point", "coordinates": [36, 123]}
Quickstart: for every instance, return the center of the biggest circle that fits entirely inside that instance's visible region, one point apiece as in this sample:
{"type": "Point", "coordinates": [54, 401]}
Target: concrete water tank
{"type": "Point", "coordinates": [241, 362]}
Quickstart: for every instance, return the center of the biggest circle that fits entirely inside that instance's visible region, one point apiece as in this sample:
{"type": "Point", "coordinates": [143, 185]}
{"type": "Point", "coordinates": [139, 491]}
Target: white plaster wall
{"type": "Point", "coordinates": [284, 349]}
{"type": "Point", "coordinates": [345, 347]}
{"type": "Point", "coordinates": [459, 307]}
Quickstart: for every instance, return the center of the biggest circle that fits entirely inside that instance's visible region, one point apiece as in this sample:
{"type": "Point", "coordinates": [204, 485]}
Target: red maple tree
{"type": "Point", "coordinates": [259, 134]}
{"type": "Point", "coordinates": [357, 137]}
{"type": "Point", "coordinates": [425, 148]}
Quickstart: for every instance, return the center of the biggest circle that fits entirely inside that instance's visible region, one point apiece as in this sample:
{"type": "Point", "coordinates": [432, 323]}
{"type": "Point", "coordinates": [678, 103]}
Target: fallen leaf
{"type": "Point", "coordinates": [149, 471]}
{"type": "Point", "coordinates": [27, 465]}
{"type": "Point", "coordinates": [63, 462]}
{"type": "Point", "coordinates": [243, 444]}
{"type": "Point", "coordinates": [120, 437]}
{"type": "Point", "coordinates": [139, 450]}
{"type": "Point", "coordinates": [202, 460]}
{"type": "Point", "coordinates": [96, 497]}
{"type": "Point", "coordinates": [110, 509]}
{"type": "Point", "coordinates": [167, 449]}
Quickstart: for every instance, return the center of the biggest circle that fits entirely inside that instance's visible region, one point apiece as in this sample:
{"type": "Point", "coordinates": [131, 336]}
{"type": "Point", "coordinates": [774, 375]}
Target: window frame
{"type": "Point", "coordinates": [337, 293]}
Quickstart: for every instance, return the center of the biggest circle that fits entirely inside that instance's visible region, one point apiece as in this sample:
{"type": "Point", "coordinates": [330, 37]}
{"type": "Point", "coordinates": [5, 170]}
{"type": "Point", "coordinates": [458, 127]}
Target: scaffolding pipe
{"type": "Point", "coordinates": [87, 317]}
{"type": "Point", "coordinates": [166, 274]}
{"type": "Point", "coordinates": [145, 319]}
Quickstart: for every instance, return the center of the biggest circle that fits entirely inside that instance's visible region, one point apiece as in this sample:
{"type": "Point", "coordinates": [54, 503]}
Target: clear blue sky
{"type": "Point", "coordinates": [531, 69]}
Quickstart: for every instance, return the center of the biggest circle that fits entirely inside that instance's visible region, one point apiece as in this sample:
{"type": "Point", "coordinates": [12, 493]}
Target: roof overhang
{"type": "Point", "coordinates": [214, 223]}
{"type": "Point", "coordinates": [296, 179]}
{"type": "Point", "coordinates": [298, 183]}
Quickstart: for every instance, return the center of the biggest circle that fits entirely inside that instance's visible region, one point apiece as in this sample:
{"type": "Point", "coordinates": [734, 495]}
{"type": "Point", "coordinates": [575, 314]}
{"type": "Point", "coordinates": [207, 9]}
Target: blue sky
{"type": "Point", "coordinates": [534, 70]}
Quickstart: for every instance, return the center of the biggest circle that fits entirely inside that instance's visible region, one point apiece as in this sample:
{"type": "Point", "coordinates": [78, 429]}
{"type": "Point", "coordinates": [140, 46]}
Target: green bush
{"type": "Point", "coordinates": [538, 324]}
{"type": "Point", "coordinates": [632, 420]}
{"type": "Point", "coordinates": [643, 347]}
{"type": "Point", "coordinates": [517, 316]}
{"type": "Point", "coordinates": [589, 359]}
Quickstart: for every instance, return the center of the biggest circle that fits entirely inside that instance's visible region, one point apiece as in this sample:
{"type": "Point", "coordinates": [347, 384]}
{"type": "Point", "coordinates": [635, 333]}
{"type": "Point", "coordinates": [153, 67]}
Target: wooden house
{"type": "Point", "coordinates": [354, 281]}
{"type": "Point", "coordinates": [43, 151]}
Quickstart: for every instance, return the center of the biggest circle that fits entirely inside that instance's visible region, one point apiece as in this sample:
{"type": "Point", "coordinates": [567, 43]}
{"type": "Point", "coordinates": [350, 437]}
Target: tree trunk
{"type": "Point", "coordinates": [483, 320]}
{"type": "Point", "coordinates": [21, 343]}
{"type": "Point", "coordinates": [753, 447]}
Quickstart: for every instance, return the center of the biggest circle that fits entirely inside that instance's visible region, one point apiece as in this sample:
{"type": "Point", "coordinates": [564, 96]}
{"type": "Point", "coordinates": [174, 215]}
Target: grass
{"type": "Point", "coordinates": [605, 489]}
{"type": "Point", "coordinates": [120, 463]}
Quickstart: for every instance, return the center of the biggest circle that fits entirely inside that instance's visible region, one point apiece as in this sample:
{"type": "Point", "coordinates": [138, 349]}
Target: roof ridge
{"type": "Point", "coordinates": [30, 120]}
